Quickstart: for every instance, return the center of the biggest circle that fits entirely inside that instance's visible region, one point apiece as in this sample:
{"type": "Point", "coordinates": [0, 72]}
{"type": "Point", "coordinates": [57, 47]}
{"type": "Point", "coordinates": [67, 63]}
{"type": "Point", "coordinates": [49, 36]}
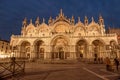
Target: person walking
{"type": "Point", "coordinates": [116, 63]}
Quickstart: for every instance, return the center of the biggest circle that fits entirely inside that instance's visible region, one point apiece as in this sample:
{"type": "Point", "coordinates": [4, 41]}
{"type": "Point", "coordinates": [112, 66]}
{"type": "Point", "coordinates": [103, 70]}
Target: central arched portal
{"type": "Point", "coordinates": [60, 48]}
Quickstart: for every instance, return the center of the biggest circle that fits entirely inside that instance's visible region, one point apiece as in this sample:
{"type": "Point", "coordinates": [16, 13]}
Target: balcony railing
{"type": "Point", "coordinates": [33, 36]}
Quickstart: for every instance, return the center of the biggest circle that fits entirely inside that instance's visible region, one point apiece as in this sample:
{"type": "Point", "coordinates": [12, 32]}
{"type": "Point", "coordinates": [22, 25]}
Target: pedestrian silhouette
{"type": "Point", "coordinates": [116, 63]}
{"type": "Point", "coordinates": [107, 62]}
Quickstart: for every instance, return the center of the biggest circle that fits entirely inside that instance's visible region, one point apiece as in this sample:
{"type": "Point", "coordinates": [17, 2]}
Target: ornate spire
{"type": "Point", "coordinates": [101, 20]}
{"type": "Point", "coordinates": [30, 21]}
{"type": "Point", "coordinates": [61, 13]}
{"type": "Point", "coordinates": [79, 19]}
{"type": "Point", "coordinates": [37, 22]}
{"type": "Point", "coordinates": [50, 20]}
{"type": "Point", "coordinates": [86, 20]}
{"type": "Point", "coordinates": [24, 23]}
{"type": "Point", "coordinates": [93, 19]}
{"type": "Point", "coordinates": [72, 20]}
{"type": "Point", "coordinates": [100, 16]}
{"type": "Point", "coordinates": [43, 20]}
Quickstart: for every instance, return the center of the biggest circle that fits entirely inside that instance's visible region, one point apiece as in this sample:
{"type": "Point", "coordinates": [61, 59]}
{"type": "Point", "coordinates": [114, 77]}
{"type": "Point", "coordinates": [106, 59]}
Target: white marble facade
{"type": "Point", "coordinates": [62, 38]}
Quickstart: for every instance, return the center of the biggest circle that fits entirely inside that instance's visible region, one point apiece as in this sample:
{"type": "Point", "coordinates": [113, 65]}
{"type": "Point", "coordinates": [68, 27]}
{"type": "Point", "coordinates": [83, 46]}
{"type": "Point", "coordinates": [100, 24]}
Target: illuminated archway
{"type": "Point", "coordinates": [113, 49]}
{"type": "Point", "coordinates": [60, 48]}
{"type": "Point", "coordinates": [81, 49]}
{"type": "Point", "coordinates": [97, 48]}
{"type": "Point", "coordinates": [39, 49]}
{"type": "Point", "coordinates": [25, 49]}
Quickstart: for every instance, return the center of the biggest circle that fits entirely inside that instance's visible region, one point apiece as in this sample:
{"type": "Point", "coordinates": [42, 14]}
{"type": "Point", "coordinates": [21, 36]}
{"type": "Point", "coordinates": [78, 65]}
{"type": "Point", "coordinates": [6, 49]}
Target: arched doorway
{"type": "Point", "coordinates": [81, 49]}
{"type": "Point", "coordinates": [113, 50]}
{"type": "Point", "coordinates": [39, 49]}
{"type": "Point", "coordinates": [97, 48]}
{"type": "Point", "coordinates": [25, 49]}
{"type": "Point", "coordinates": [60, 48]}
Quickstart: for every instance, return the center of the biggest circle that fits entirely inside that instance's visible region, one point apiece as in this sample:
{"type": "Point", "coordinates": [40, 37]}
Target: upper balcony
{"type": "Point", "coordinates": [28, 36]}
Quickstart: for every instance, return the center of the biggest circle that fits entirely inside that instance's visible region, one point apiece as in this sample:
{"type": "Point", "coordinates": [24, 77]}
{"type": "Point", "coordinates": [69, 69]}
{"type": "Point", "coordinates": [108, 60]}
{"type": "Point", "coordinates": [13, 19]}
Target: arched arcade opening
{"type": "Point", "coordinates": [81, 49]}
{"type": "Point", "coordinates": [98, 48]}
{"type": "Point", "coordinates": [39, 49]}
{"type": "Point", "coordinates": [25, 50]}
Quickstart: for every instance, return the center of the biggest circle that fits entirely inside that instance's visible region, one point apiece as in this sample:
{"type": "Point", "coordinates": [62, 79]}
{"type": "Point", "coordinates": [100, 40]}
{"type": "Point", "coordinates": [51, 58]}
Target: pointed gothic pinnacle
{"type": "Point", "coordinates": [50, 17]}
{"type": "Point", "coordinates": [25, 19]}
{"type": "Point", "coordinates": [93, 19]}
{"type": "Point", "coordinates": [85, 17]}
{"type": "Point", "coordinates": [72, 17]}
{"type": "Point", "coordinates": [50, 20]}
{"type": "Point", "coordinates": [37, 22]}
{"type": "Point", "coordinates": [78, 19]}
{"type": "Point", "coordinates": [61, 13]}
{"type": "Point", "coordinates": [43, 20]}
{"type": "Point", "coordinates": [100, 16]}
{"type": "Point", "coordinates": [37, 19]}
{"type": "Point", "coordinates": [30, 21]}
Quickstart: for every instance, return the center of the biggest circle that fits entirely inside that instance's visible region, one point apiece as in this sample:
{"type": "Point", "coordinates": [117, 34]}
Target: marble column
{"type": "Point", "coordinates": [32, 52]}
{"type": "Point", "coordinates": [18, 51]}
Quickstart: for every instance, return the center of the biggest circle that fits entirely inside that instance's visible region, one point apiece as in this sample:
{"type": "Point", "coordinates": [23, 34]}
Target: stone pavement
{"type": "Point", "coordinates": [77, 71]}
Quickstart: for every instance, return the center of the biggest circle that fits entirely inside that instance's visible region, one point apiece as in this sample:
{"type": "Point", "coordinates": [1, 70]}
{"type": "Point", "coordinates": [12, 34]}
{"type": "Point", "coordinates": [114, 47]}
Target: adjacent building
{"type": "Point", "coordinates": [112, 30]}
{"type": "Point", "coordinates": [64, 39]}
{"type": "Point", "coordinates": [5, 49]}
{"type": "Point", "coordinates": [115, 30]}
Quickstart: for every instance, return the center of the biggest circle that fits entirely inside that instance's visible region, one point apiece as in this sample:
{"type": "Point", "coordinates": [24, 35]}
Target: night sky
{"type": "Point", "coordinates": [12, 12]}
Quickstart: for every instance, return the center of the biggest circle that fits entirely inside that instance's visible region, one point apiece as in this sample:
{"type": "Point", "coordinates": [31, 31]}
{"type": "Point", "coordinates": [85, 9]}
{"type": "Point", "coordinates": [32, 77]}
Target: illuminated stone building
{"type": "Point", "coordinates": [63, 39]}
{"type": "Point", "coordinates": [5, 49]}
{"type": "Point", "coordinates": [115, 30]}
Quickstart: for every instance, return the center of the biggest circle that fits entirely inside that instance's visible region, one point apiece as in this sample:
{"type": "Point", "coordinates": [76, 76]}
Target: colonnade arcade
{"type": "Point", "coordinates": [98, 48]}
{"type": "Point", "coordinates": [60, 48]}
{"type": "Point", "coordinates": [29, 51]}
{"type": "Point", "coordinates": [90, 50]}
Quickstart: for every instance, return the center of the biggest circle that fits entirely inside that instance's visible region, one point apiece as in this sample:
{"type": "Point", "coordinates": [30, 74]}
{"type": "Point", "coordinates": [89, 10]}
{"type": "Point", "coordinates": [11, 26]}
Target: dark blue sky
{"type": "Point", "coordinates": [12, 12]}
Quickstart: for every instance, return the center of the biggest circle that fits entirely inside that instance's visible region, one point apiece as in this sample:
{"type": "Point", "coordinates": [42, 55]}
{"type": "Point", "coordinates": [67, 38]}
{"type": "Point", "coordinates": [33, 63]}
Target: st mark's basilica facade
{"type": "Point", "coordinates": [63, 39]}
